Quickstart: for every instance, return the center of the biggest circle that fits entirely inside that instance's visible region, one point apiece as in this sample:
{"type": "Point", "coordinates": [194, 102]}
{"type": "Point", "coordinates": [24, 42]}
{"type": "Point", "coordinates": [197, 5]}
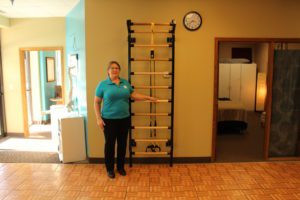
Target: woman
{"type": "Point", "coordinates": [114, 118]}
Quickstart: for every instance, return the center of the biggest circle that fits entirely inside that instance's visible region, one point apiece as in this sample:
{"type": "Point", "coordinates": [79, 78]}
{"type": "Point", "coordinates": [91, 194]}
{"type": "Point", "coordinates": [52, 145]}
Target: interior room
{"type": "Point", "coordinates": [241, 101]}
{"type": "Point", "coordinates": [219, 115]}
{"type": "Point", "coordinates": [43, 81]}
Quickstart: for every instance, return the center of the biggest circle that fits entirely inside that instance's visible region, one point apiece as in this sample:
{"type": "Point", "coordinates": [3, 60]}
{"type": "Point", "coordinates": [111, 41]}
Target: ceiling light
{"type": "Point", "coordinates": [12, 2]}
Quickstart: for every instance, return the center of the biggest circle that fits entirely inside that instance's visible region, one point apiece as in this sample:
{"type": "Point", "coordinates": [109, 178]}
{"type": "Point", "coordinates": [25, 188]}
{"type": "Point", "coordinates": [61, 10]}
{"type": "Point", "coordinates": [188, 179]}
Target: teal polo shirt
{"type": "Point", "coordinates": [115, 98]}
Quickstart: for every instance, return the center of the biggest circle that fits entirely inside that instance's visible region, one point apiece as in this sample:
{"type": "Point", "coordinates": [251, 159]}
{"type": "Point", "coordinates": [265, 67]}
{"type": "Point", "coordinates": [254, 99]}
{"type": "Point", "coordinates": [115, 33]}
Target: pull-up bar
{"type": "Point", "coordinates": [151, 73]}
{"type": "Point", "coordinates": [151, 127]}
{"type": "Point", "coordinates": [157, 101]}
{"type": "Point", "coordinates": [152, 32]}
{"type": "Point", "coordinates": [152, 87]}
{"type": "Point", "coordinates": [150, 24]}
{"type": "Point", "coordinates": [151, 153]}
{"type": "Point", "coordinates": [150, 59]}
{"type": "Point", "coordinates": [151, 140]}
{"type": "Point", "coordinates": [151, 114]}
{"type": "Point", "coordinates": [151, 45]}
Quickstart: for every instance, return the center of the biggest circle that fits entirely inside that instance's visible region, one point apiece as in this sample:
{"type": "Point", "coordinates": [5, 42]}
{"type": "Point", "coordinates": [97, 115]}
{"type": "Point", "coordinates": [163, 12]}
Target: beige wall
{"type": "Point", "coordinates": [261, 56]}
{"type": "Point", "coordinates": [106, 36]}
{"type": "Point", "coordinates": [4, 22]}
{"type": "Point", "coordinates": [40, 32]}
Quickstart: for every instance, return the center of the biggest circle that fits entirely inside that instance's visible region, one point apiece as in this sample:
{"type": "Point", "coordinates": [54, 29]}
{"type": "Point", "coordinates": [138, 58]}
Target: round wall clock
{"type": "Point", "coordinates": [192, 21]}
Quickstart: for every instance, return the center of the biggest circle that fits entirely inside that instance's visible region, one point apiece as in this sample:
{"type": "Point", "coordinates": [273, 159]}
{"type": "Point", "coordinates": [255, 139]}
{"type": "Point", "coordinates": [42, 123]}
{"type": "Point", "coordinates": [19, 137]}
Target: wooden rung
{"type": "Point", "coordinates": [151, 140]}
{"type": "Point", "coordinates": [151, 45]}
{"type": "Point", "coordinates": [151, 153]}
{"type": "Point", "coordinates": [158, 101]}
{"type": "Point", "coordinates": [151, 114]}
{"type": "Point", "coordinates": [150, 24]}
{"type": "Point", "coordinates": [155, 32]}
{"type": "Point", "coordinates": [151, 127]}
{"type": "Point", "coordinates": [152, 87]}
{"type": "Point", "coordinates": [151, 73]}
{"type": "Point", "coordinates": [149, 59]}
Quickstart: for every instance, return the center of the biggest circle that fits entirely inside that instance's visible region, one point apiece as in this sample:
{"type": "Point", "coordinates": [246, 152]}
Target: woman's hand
{"type": "Point", "coordinates": [97, 106]}
{"type": "Point", "coordinates": [141, 97]}
{"type": "Point", "coordinates": [100, 123]}
{"type": "Point", "coordinates": [152, 99]}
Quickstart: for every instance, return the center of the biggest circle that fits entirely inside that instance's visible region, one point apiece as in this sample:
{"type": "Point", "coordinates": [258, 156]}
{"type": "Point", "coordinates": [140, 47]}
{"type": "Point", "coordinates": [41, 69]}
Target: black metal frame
{"type": "Point", "coordinates": [171, 41]}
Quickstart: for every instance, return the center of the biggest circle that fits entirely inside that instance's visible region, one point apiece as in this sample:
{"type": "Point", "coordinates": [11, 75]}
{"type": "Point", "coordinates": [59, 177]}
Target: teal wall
{"type": "Point", "coordinates": [47, 88]}
{"type": "Point", "coordinates": [75, 44]}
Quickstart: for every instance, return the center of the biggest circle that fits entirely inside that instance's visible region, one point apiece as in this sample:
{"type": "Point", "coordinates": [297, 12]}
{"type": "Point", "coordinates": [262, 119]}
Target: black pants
{"type": "Point", "coordinates": [115, 130]}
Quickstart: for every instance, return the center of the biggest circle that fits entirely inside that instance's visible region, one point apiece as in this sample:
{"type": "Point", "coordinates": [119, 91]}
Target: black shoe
{"type": "Point", "coordinates": [122, 172]}
{"type": "Point", "coordinates": [111, 174]}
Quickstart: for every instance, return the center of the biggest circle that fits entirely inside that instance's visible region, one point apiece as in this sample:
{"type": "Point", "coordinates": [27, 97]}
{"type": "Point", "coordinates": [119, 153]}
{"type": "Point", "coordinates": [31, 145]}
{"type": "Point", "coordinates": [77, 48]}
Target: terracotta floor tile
{"type": "Point", "coordinates": [138, 189]}
{"type": "Point", "coordinates": [264, 180]}
{"type": "Point", "coordinates": [4, 193]}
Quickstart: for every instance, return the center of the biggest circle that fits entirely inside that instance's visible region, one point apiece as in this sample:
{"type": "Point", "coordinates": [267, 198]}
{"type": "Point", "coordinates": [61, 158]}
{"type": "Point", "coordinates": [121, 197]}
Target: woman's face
{"type": "Point", "coordinates": [113, 71]}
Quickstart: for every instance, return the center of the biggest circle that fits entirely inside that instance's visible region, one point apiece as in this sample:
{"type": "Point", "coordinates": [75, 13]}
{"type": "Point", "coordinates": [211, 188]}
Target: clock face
{"type": "Point", "coordinates": [192, 21]}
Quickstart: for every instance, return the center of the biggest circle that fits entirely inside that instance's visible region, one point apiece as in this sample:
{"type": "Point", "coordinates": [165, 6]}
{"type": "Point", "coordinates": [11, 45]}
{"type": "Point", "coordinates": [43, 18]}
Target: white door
{"type": "Point", "coordinates": [248, 79]}
{"type": "Point", "coordinates": [224, 79]}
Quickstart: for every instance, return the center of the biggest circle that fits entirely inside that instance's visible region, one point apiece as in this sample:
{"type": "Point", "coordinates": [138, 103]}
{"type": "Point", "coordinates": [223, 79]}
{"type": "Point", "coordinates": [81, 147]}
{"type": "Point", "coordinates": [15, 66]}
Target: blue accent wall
{"type": "Point", "coordinates": [75, 44]}
{"type": "Point", "coordinates": [47, 88]}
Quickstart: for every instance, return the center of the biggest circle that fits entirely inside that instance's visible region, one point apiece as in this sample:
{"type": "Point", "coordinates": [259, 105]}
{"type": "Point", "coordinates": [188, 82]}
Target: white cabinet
{"type": "Point", "coordinates": [238, 83]}
{"type": "Point", "coordinates": [71, 139]}
{"type": "Point", "coordinates": [56, 111]}
{"type": "Point", "coordinates": [235, 82]}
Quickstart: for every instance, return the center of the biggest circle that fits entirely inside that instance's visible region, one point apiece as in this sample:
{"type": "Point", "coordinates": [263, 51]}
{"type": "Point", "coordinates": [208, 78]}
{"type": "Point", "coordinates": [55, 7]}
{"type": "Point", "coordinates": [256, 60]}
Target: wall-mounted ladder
{"type": "Point", "coordinates": [155, 140]}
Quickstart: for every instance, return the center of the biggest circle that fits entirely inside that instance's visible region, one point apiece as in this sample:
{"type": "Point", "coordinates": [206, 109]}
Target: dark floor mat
{"type": "Point", "coordinates": [7, 156]}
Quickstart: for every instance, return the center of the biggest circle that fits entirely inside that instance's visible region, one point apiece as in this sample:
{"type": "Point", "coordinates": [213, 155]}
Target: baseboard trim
{"type": "Point", "coordinates": [156, 160]}
{"type": "Point", "coordinates": [15, 134]}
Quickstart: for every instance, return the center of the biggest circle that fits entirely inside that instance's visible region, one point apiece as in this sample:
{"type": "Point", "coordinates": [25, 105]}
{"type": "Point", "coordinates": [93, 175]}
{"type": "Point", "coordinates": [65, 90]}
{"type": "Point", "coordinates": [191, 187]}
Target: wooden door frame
{"type": "Point", "coordinates": [2, 102]}
{"type": "Point", "coordinates": [23, 79]}
{"type": "Point", "coordinates": [268, 102]}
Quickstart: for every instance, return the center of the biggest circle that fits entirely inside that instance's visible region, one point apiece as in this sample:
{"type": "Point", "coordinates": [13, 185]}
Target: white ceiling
{"type": "Point", "coordinates": [36, 8]}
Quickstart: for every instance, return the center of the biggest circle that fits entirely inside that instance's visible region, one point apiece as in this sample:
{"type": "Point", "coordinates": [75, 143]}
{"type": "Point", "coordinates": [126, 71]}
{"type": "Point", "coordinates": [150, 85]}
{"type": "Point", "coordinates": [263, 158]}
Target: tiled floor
{"type": "Point", "coordinates": [265, 180]}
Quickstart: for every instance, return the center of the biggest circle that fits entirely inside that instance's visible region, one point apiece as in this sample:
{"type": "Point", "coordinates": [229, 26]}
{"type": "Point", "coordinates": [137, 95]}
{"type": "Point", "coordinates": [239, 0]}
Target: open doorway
{"type": "Point", "coordinates": [2, 106]}
{"type": "Point", "coordinates": [251, 132]}
{"type": "Point", "coordinates": [241, 101]}
{"type": "Point", "coordinates": [41, 86]}
{"type": "Point", "coordinates": [42, 83]}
